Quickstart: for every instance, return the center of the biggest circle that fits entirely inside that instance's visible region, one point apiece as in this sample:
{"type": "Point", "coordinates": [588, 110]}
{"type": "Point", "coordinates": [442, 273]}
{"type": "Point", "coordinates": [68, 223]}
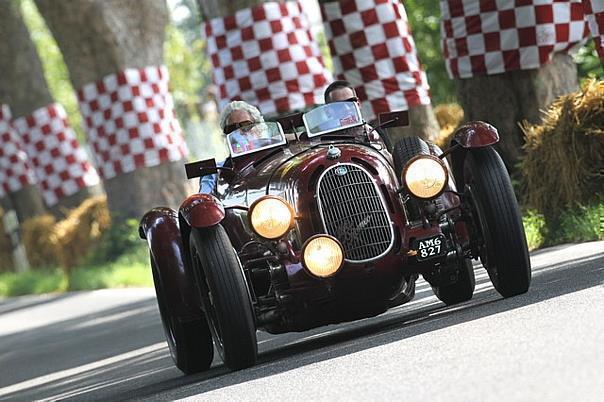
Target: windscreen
{"type": "Point", "coordinates": [332, 117]}
{"type": "Point", "coordinates": [254, 138]}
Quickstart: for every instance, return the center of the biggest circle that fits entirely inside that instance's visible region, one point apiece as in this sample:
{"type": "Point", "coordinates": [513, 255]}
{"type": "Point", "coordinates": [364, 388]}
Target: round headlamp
{"type": "Point", "coordinates": [425, 176]}
{"type": "Point", "coordinates": [322, 255]}
{"type": "Point", "coordinates": [271, 217]}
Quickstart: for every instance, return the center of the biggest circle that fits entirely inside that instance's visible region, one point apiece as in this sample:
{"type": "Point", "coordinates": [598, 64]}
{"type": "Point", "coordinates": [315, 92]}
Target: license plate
{"type": "Point", "coordinates": [430, 247]}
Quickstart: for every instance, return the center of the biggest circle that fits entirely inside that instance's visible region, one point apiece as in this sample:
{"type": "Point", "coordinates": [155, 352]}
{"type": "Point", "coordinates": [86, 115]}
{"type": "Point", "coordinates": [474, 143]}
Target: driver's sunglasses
{"type": "Point", "coordinates": [232, 127]}
{"type": "Point", "coordinates": [353, 99]}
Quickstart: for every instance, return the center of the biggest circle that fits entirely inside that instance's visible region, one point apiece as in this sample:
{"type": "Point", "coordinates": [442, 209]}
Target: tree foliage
{"type": "Point", "coordinates": [589, 63]}
{"type": "Point", "coordinates": [55, 70]}
{"type": "Point", "coordinates": [424, 20]}
{"type": "Point", "coordinates": [190, 69]}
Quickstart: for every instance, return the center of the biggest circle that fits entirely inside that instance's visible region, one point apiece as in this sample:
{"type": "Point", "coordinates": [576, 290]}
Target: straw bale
{"type": "Point", "coordinates": [36, 234]}
{"type": "Point", "coordinates": [449, 116]}
{"type": "Point", "coordinates": [564, 161]}
{"type": "Point", "coordinates": [65, 242]}
{"type": "Point", "coordinates": [76, 234]}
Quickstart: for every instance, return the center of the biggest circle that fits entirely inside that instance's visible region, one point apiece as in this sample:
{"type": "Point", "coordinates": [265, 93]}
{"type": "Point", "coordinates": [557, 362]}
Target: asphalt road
{"type": "Point", "coordinates": [545, 345]}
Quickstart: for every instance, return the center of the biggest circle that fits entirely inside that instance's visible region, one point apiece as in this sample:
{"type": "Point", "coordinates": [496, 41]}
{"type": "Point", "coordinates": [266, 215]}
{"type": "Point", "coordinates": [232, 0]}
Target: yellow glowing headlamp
{"type": "Point", "coordinates": [425, 176]}
{"type": "Point", "coordinates": [271, 217]}
{"type": "Point", "coordinates": [322, 255]}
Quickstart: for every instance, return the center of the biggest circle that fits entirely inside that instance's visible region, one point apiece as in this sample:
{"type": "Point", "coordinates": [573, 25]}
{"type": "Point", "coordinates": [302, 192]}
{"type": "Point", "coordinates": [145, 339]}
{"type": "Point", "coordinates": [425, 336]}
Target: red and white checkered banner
{"type": "Point", "coordinates": [594, 14]}
{"type": "Point", "coordinates": [492, 37]}
{"type": "Point", "coordinates": [131, 122]}
{"type": "Point", "coordinates": [266, 56]}
{"type": "Point", "coordinates": [60, 163]}
{"type": "Point", "coordinates": [373, 49]}
{"type": "Point", "coordinates": [15, 170]}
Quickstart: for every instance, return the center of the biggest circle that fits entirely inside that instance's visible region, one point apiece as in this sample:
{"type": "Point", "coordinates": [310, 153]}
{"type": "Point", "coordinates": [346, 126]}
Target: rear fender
{"type": "Point", "coordinates": [170, 259]}
{"type": "Point", "coordinates": [202, 211]}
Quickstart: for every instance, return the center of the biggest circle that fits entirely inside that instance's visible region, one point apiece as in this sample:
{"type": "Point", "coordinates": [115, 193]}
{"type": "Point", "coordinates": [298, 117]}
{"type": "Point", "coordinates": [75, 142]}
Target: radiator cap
{"type": "Point", "coordinates": [333, 152]}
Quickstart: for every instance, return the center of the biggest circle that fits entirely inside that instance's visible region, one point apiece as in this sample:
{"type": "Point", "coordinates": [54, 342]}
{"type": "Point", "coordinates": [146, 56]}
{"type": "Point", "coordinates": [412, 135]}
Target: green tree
{"type": "Point", "coordinates": [424, 20]}
{"type": "Point", "coordinates": [588, 62]}
{"type": "Point", "coordinates": [189, 71]}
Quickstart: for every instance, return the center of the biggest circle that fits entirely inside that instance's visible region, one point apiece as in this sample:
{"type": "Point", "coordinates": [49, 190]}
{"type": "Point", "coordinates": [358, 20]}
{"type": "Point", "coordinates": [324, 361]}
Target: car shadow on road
{"type": "Point", "coordinates": [79, 341]}
{"type": "Point", "coordinates": [570, 277]}
{"type": "Point", "coordinates": [122, 379]}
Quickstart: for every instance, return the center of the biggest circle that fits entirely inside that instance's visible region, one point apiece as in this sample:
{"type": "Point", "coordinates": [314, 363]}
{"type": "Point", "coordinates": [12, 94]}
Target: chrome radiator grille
{"type": "Point", "coordinates": [353, 212]}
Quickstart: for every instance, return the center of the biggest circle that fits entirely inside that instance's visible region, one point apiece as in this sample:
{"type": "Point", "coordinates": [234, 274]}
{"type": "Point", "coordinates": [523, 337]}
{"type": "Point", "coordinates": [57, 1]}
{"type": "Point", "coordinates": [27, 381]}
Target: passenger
{"type": "Point", "coordinates": [235, 115]}
{"type": "Point", "coordinates": [342, 90]}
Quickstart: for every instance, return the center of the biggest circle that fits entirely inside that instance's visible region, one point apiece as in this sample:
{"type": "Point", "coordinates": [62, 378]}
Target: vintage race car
{"type": "Point", "coordinates": [322, 224]}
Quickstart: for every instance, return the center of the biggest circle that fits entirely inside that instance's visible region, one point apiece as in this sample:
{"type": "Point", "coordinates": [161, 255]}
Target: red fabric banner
{"type": "Point", "coordinates": [60, 163]}
{"type": "Point", "coordinates": [373, 49]}
{"type": "Point", "coordinates": [267, 56]}
{"type": "Point", "coordinates": [15, 170]}
{"type": "Point", "coordinates": [131, 122]}
{"type": "Point", "coordinates": [492, 37]}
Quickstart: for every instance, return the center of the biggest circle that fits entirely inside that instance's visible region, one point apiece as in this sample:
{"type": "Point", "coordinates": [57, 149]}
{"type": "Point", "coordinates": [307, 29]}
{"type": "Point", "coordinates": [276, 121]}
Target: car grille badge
{"type": "Point", "coordinates": [341, 170]}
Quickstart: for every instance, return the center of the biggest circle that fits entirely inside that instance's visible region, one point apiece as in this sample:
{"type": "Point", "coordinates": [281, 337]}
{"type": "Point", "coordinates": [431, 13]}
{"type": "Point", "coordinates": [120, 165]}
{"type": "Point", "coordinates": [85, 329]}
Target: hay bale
{"type": "Point", "coordinates": [64, 243]}
{"type": "Point", "coordinates": [36, 235]}
{"type": "Point", "coordinates": [449, 116]}
{"type": "Point", "coordinates": [565, 154]}
{"type": "Point", "coordinates": [75, 235]}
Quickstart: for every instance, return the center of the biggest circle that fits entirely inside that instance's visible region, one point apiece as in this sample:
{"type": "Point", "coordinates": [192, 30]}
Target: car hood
{"type": "Point", "coordinates": [292, 172]}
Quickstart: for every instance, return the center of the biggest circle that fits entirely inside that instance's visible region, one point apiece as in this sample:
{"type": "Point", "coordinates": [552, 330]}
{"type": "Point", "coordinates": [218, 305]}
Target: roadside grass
{"type": "Point", "coordinates": [580, 224]}
{"type": "Point", "coordinates": [534, 227]}
{"type": "Point", "coordinates": [131, 269]}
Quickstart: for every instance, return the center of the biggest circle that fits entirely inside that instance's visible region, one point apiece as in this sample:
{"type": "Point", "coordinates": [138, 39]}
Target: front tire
{"type": "Point", "coordinates": [189, 338]}
{"type": "Point", "coordinates": [506, 255]}
{"type": "Point", "coordinates": [460, 291]}
{"type": "Point", "coordinates": [405, 149]}
{"type": "Point", "coordinates": [224, 296]}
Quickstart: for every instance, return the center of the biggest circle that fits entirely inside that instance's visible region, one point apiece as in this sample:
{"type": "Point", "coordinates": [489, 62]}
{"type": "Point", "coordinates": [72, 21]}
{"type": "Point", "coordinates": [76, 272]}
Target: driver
{"type": "Point", "coordinates": [342, 90]}
{"type": "Point", "coordinates": [236, 115]}
{"type": "Point", "coordinates": [339, 91]}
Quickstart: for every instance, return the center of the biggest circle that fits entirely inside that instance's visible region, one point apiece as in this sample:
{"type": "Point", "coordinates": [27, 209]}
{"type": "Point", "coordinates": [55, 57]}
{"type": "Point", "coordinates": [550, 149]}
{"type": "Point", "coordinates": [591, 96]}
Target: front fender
{"type": "Point", "coordinates": [476, 134]}
{"type": "Point", "coordinates": [202, 211]}
{"type": "Point", "coordinates": [473, 135]}
{"type": "Point", "coordinates": [169, 259]}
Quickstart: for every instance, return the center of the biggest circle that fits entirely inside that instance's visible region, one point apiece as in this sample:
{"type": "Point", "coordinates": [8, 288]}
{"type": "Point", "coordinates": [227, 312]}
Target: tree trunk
{"type": "Point", "coordinates": [25, 89]}
{"type": "Point", "coordinates": [22, 86]}
{"type": "Point", "coordinates": [103, 37]}
{"type": "Point", "coordinates": [422, 123]}
{"type": "Point", "coordinates": [504, 100]}
{"type": "Point", "coordinates": [219, 8]}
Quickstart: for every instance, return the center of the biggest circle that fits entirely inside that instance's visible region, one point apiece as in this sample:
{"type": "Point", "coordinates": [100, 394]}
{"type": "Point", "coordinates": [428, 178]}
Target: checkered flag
{"type": "Point", "coordinates": [15, 170]}
{"type": "Point", "coordinates": [131, 122]}
{"type": "Point", "coordinates": [266, 55]}
{"type": "Point", "coordinates": [594, 14]}
{"type": "Point", "coordinates": [492, 37]}
{"type": "Point", "coordinates": [373, 49]}
{"type": "Point", "coordinates": [60, 163]}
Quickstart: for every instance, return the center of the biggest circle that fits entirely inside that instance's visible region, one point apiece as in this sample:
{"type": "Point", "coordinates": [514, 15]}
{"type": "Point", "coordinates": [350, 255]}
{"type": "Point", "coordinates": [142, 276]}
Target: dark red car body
{"type": "Point", "coordinates": [285, 296]}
